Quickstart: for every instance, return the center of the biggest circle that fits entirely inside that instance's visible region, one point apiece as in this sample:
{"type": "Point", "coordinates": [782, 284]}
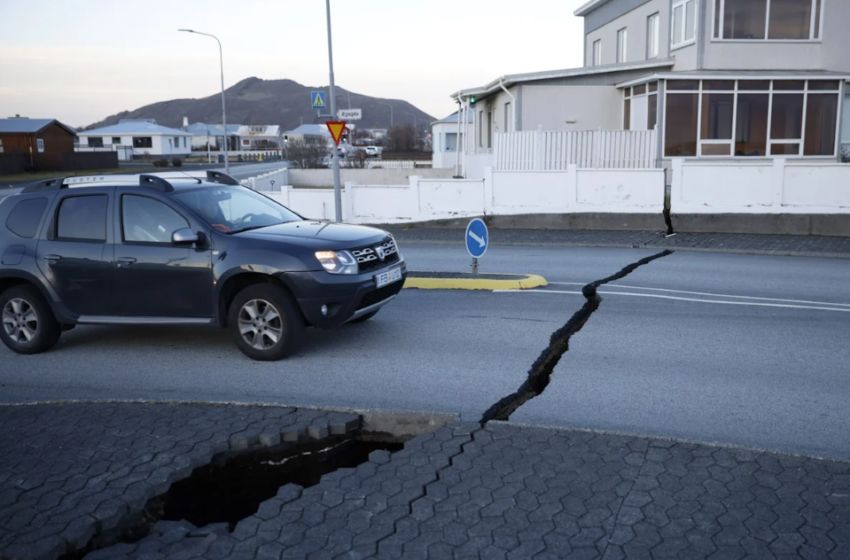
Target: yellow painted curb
{"type": "Point", "coordinates": [530, 281]}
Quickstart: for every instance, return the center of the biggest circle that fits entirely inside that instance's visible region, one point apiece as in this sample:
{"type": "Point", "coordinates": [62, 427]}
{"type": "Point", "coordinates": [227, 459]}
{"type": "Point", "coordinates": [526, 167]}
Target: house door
{"type": "Point", "coordinates": [640, 107]}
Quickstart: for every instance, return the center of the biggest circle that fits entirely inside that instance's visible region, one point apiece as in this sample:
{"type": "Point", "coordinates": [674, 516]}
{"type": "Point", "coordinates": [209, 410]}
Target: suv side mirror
{"type": "Point", "coordinates": [185, 236]}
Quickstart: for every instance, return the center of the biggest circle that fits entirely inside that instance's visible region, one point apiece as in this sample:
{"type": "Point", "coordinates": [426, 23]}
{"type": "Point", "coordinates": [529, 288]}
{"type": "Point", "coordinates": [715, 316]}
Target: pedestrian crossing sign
{"type": "Point", "coordinates": [318, 98]}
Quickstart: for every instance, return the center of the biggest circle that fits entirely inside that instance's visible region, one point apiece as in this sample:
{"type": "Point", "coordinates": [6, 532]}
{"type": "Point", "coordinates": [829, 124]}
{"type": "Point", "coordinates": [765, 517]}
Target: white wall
{"type": "Point", "coordinates": [591, 106]}
{"type": "Point", "coordinates": [776, 187]}
{"type": "Point", "coordinates": [325, 178]}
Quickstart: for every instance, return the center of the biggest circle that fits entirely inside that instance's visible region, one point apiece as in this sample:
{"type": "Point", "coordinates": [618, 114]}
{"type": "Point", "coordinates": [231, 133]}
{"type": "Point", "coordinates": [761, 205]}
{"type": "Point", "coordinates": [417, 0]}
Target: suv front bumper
{"type": "Point", "coordinates": [347, 297]}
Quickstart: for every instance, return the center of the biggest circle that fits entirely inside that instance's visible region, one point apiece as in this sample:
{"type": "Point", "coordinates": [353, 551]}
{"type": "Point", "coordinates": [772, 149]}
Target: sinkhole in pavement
{"type": "Point", "coordinates": [233, 490]}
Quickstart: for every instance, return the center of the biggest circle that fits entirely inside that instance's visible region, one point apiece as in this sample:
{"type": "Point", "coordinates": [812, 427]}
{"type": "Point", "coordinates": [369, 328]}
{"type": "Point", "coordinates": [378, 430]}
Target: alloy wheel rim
{"type": "Point", "coordinates": [20, 321]}
{"type": "Point", "coordinates": [260, 324]}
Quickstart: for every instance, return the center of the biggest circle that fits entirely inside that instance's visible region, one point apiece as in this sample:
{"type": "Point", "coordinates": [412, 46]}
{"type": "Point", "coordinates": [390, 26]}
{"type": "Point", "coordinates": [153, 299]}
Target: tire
{"type": "Point", "coordinates": [364, 318]}
{"type": "Point", "coordinates": [249, 311]}
{"type": "Point", "coordinates": [27, 324]}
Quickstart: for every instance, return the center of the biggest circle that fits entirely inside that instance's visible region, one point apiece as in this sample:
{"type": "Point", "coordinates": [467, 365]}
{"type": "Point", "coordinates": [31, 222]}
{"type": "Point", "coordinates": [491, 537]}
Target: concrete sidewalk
{"type": "Point", "coordinates": [463, 491]}
{"type": "Point", "coordinates": [790, 245]}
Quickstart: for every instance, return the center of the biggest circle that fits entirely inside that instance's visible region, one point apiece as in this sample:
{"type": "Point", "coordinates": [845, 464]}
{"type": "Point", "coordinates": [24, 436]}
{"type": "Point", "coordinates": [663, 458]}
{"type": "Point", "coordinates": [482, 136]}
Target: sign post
{"type": "Point", "coordinates": [477, 239]}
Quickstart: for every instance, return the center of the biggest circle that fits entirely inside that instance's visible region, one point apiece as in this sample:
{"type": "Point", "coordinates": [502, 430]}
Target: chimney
{"type": "Point", "coordinates": [185, 123]}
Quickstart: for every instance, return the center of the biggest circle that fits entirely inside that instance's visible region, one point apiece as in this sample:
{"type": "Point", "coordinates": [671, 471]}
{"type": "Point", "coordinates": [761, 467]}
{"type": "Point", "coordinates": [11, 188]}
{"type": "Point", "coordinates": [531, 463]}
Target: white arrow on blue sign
{"type": "Point", "coordinates": [477, 238]}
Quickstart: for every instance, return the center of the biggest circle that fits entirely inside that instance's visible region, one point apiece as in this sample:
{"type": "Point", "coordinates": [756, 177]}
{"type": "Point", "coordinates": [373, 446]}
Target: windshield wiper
{"type": "Point", "coordinates": [249, 228]}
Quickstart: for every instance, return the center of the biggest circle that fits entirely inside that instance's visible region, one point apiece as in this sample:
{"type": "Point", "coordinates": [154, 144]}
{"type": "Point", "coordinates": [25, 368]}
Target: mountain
{"type": "Point", "coordinates": [281, 102]}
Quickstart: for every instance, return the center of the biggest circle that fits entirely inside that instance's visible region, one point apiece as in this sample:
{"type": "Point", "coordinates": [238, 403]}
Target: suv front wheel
{"type": "Point", "coordinates": [28, 325]}
{"type": "Point", "coordinates": [265, 322]}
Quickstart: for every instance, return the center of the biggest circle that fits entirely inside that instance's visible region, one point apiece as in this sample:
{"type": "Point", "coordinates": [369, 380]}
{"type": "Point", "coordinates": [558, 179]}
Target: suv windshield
{"type": "Point", "coordinates": [235, 209]}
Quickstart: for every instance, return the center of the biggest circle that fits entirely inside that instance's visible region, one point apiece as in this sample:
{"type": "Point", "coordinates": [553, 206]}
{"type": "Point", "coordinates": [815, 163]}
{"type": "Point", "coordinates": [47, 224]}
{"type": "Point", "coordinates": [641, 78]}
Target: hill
{"type": "Point", "coordinates": [282, 102]}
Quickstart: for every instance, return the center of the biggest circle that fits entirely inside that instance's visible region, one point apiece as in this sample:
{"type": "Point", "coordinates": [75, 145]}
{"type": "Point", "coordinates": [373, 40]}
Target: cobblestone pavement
{"type": "Point", "coordinates": [512, 492]}
{"type": "Point", "coordinates": [70, 471]}
{"type": "Point", "coordinates": [794, 245]}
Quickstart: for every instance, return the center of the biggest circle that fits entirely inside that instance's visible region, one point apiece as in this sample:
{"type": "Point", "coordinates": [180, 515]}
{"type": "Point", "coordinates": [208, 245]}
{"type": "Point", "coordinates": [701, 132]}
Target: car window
{"type": "Point", "coordinates": [145, 220]}
{"type": "Point", "coordinates": [233, 209]}
{"type": "Point", "coordinates": [24, 218]}
{"type": "Point", "coordinates": [82, 218]}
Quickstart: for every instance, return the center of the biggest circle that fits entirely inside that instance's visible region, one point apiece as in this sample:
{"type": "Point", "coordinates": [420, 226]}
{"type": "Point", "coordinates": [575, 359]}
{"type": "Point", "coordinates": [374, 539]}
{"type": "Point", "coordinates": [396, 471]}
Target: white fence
{"type": "Point", "coordinates": [395, 164]}
{"type": "Point", "coordinates": [766, 187]}
{"type": "Point", "coordinates": [597, 149]}
{"type": "Point", "coordinates": [500, 192]}
{"type": "Point", "coordinates": [273, 181]}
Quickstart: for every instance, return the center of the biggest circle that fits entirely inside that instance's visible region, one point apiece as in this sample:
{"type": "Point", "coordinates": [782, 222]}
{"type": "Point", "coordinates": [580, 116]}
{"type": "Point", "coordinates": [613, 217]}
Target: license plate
{"type": "Point", "coordinates": [388, 277]}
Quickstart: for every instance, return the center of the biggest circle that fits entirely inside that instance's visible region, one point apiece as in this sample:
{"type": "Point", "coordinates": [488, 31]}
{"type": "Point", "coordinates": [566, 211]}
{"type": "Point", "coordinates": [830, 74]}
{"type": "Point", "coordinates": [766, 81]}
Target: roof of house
{"type": "Point", "coordinates": [268, 130]}
{"type": "Point", "coordinates": [202, 129]}
{"type": "Point", "coordinates": [453, 118]}
{"type": "Point", "coordinates": [512, 79]}
{"type": "Point", "coordinates": [23, 125]}
{"type": "Point", "coordinates": [311, 130]}
{"type": "Point", "coordinates": [589, 7]}
{"type": "Point", "coordinates": [739, 74]}
{"type": "Point", "coordinates": [135, 127]}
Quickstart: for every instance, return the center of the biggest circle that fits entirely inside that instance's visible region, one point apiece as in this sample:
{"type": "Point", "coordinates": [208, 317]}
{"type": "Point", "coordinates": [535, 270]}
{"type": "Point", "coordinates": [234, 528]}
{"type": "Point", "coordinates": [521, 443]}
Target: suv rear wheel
{"type": "Point", "coordinates": [265, 322]}
{"type": "Point", "coordinates": [28, 324]}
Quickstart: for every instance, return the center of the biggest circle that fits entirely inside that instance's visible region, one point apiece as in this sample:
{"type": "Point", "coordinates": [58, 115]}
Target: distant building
{"type": "Point", "coordinates": [445, 139]}
{"type": "Point", "coordinates": [259, 137]}
{"type": "Point", "coordinates": [39, 143]}
{"type": "Point", "coordinates": [311, 134]}
{"type": "Point", "coordinates": [213, 135]}
{"type": "Point", "coordinates": [137, 139]}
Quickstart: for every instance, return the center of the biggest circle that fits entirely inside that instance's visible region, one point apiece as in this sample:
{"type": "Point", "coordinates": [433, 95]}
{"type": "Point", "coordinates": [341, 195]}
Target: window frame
{"type": "Point", "coordinates": [653, 36]}
{"type": "Point", "coordinates": [674, 44]}
{"type": "Point", "coordinates": [114, 143]}
{"type": "Point", "coordinates": [96, 139]}
{"type": "Point", "coordinates": [622, 45]}
{"type": "Point", "coordinates": [124, 240]}
{"type": "Point", "coordinates": [630, 93]}
{"type": "Point", "coordinates": [815, 25]}
{"type": "Point", "coordinates": [770, 92]}
{"type": "Point", "coordinates": [141, 145]}
{"type": "Point", "coordinates": [58, 212]}
{"type": "Point", "coordinates": [596, 54]}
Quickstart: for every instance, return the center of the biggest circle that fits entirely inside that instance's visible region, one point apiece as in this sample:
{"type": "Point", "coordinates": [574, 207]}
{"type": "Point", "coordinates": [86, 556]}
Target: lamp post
{"type": "Point", "coordinates": [337, 191]}
{"type": "Point", "coordinates": [223, 111]}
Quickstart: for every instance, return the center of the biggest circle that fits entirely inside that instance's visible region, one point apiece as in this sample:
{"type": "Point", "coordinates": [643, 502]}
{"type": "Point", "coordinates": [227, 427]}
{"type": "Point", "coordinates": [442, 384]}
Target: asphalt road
{"type": "Point", "coordinates": [737, 349]}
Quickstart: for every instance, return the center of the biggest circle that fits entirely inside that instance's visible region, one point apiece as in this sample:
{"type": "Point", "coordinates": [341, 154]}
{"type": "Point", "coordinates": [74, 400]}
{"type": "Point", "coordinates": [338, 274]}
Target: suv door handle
{"type": "Point", "coordinates": [53, 258]}
{"type": "Point", "coordinates": [126, 261]}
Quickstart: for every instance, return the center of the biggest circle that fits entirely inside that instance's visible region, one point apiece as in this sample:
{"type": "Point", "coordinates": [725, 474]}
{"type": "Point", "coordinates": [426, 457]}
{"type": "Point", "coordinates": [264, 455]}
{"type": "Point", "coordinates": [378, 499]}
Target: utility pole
{"type": "Point", "coordinates": [337, 191]}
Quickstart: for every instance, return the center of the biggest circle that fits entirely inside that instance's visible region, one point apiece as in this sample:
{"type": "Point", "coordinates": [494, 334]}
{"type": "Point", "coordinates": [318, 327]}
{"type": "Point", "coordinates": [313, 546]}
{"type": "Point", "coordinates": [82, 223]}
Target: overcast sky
{"type": "Point", "coordinates": [82, 60]}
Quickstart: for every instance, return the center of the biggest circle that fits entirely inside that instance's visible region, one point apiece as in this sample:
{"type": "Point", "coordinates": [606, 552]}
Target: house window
{"type": "Point", "coordinates": [508, 119]}
{"type": "Point", "coordinates": [451, 141]}
{"type": "Point", "coordinates": [116, 140]}
{"type": "Point", "coordinates": [760, 20]}
{"type": "Point", "coordinates": [142, 142]}
{"type": "Point", "coordinates": [39, 143]}
{"type": "Point", "coordinates": [652, 41]}
{"type": "Point", "coordinates": [95, 142]}
{"type": "Point", "coordinates": [684, 23]}
{"type": "Point", "coordinates": [627, 110]}
{"type": "Point", "coordinates": [1, 145]}
{"type": "Point", "coordinates": [622, 38]}
{"type": "Point", "coordinates": [489, 129]}
{"type": "Point", "coordinates": [480, 129]}
{"type": "Point", "coordinates": [752, 118]}
{"type": "Point", "coordinates": [597, 53]}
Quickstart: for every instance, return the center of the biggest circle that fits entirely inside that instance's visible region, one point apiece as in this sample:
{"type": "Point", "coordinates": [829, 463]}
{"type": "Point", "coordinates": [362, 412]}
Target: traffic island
{"type": "Point", "coordinates": [468, 281]}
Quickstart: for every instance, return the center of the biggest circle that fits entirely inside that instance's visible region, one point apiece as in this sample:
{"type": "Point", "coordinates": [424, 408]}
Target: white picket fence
{"type": "Point", "coordinates": [592, 149]}
{"type": "Point", "coordinates": [396, 164]}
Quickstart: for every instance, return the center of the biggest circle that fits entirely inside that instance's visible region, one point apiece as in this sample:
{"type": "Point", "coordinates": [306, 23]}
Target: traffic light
{"type": "Point", "coordinates": [472, 100]}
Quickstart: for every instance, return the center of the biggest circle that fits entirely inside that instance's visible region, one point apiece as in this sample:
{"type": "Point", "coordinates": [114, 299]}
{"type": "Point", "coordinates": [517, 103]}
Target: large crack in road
{"type": "Point", "coordinates": [559, 344]}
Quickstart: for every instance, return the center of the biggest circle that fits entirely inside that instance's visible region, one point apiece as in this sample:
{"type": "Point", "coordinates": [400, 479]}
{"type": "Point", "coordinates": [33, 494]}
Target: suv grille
{"type": "Point", "coordinates": [376, 256]}
{"type": "Point", "coordinates": [380, 294]}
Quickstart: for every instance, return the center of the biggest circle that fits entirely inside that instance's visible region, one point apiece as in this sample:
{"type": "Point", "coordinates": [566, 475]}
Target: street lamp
{"type": "Point", "coordinates": [223, 111]}
{"type": "Point", "coordinates": [391, 111]}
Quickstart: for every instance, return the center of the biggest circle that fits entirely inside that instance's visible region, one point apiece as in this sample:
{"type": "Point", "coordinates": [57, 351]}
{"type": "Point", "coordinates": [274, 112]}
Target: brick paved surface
{"type": "Point", "coordinates": [70, 471]}
{"type": "Point", "coordinates": [836, 247]}
{"type": "Point", "coordinates": [513, 492]}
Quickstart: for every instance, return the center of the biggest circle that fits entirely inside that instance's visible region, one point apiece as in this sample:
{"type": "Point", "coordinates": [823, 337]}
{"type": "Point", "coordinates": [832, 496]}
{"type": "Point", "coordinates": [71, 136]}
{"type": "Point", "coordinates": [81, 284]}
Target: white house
{"type": "Point", "coordinates": [721, 79]}
{"type": "Point", "coordinates": [311, 133]}
{"type": "Point", "coordinates": [259, 137]}
{"type": "Point", "coordinates": [211, 135]}
{"type": "Point", "coordinates": [447, 135]}
{"type": "Point", "coordinates": [137, 139]}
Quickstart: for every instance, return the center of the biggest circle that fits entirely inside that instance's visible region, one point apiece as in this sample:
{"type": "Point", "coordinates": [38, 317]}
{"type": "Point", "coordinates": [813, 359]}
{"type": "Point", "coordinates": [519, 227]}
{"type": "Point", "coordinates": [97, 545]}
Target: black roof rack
{"type": "Point", "coordinates": [219, 177]}
{"type": "Point", "coordinates": [46, 185]}
{"type": "Point", "coordinates": [154, 182]}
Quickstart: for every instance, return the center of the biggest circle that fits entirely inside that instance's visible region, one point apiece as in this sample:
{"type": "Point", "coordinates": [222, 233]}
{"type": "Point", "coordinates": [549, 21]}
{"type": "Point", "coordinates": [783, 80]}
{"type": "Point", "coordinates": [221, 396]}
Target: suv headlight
{"type": "Point", "coordinates": [337, 262]}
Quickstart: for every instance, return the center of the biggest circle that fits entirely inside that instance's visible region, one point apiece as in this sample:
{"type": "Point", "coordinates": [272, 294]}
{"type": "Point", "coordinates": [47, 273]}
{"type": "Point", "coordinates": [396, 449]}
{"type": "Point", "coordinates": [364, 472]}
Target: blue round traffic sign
{"type": "Point", "coordinates": [477, 238]}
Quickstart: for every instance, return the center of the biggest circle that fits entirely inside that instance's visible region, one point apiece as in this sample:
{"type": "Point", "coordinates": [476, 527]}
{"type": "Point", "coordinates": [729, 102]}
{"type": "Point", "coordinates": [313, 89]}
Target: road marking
{"type": "Point", "coordinates": [709, 294]}
{"type": "Point", "coordinates": [676, 298]}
